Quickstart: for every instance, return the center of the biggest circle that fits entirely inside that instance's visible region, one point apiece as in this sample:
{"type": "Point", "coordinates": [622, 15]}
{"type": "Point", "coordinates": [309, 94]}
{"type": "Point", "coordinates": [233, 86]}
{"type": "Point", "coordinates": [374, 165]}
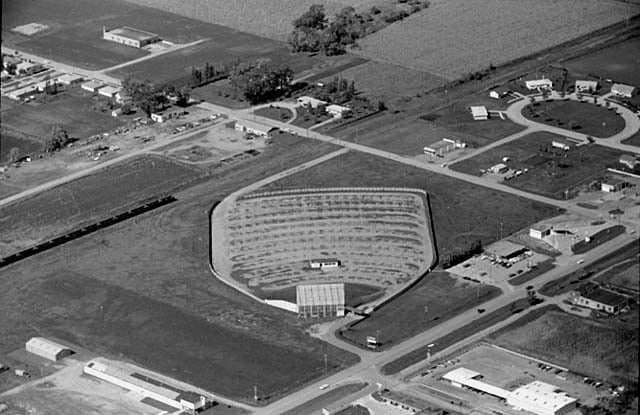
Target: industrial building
{"type": "Point", "coordinates": [29, 68]}
{"type": "Point", "coordinates": [536, 84]}
{"type": "Point", "coordinates": [440, 148]}
{"type": "Point", "coordinates": [586, 86]}
{"type": "Point", "coordinates": [561, 144]}
{"type": "Point", "coordinates": [146, 384]}
{"type": "Point", "coordinates": [47, 348]}
{"type": "Point", "coordinates": [338, 111]}
{"type": "Point", "coordinates": [537, 397]}
{"type": "Point", "coordinates": [596, 298]}
{"type": "Point", "coordinates": [479, 113]}
{"type": "Point", "coordinates": [506, 250]}
{"type": "Point", "coordinates": [92, 86]}
{"type": "Point", "coordinates": [614, 185]}
{"type": "Point", "coordinates": [23, 93]}
{"type": "Point", "coordinates": [310, 102]}
{"type": "Point", "coordinates": [109, 91]}
{"type": "Point", "coordinates": [70, 79]}
{"type": "Point", "coordinates": [320, 300]}
{"type": "Point", "coordinates": [622, 90]}
{"type": "Point", "coordinates": [251, 127]}
{"type": "Point", "coordinates": [130, 36]}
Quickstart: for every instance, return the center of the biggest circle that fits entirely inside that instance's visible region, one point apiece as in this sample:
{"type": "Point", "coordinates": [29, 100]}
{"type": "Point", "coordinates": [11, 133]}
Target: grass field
{"type": "Point", "coordinates": [455, 336]}
{"type": "Point", "coordinates": [275, 113]}
{"type": "Point", "coordinates": [457, 223]}
{"type": "Point", "coordinates": [634, 140]}
{"type": "Point", "coordinates": [551, 171]}
{"type": "Point", "coordinates": [151, 276]}
{"type": "Point", "coordinates": [585, 118]}
{"type": "Point", "coordinates": [89, 199]}
{"type": "Point", "coordinates": [25, 146]}
{"type": "Point", "coordinates": [424, 41]}
{"type": "Point", "coordinates": [619, 62]}
{"type": "Point", "coordinates": [601, 349]}
{"type": "Point", "coordinates": [436, 298]}
{"type": "Point", "coordinates": [623, 275]}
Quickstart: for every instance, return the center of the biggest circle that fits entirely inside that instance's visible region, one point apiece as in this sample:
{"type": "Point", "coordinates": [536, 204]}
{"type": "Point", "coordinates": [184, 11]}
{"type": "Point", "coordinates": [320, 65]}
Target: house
{"type": "Point", "coordinates": [338, 111]}
{"type": "Point", "coordinates": [109, 91]}
{"type": "Point", "coordinates": [498, 93]}
{"type": "Point", "coordinates": [561, 144]}
{"type": "Point", "coordinates": [622, 90]}
{"type": "Point", "coordinates": [586, 86]}
{"type": "Point", "coordinates": [498, 168]}
{"type": "Point", "coordinates": [310, 102]}
{"type": "Point", "coordinates": [539, 232]}
{"type": "Point", "coordinates": [92, 86]}
{"type": "Point", "coordinates": [597, 298]}
{"type": "Point", "coordinates": [537, 84]}
{"type": "Point", "coordinates": [70, 79]}
{"type": "Point", "coordinates": [614, 185]}
{"type": "Point", "coordinates": [479, 113]}
{"type": "Point", "coordinates": [629, 161]}
{"type": "Point", "coordinates": [255, 128]}
{"type": "Point", "coordinates": [29, 68]}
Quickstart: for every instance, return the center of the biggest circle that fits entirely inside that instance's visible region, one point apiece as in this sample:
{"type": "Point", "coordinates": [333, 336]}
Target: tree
{"type": "Point", "coordinates": [14, 154]}
{"type": "Point", "coordinates": [183, 96]}
{"type": "Point", "coordinates": [58, 139]}
{"type": "Point", "coordinates": [261, 81]}
{"type": "Point", "coordinates": [315, 18]}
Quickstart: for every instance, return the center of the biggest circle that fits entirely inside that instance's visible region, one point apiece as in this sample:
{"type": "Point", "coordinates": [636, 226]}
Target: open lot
{"type": "Point", "coordinates": [114, 292]}
{"type": "Point", "coordinates": [457, 223]}
{"type": "Point", "coordinates": [618, 62]}
{"type": "Point", "coordinates": [603, 349]}
{"type": "Point", "coordinates": [625, 276]}
{"type": "Point", "coordinates": [551, 171]}
{"type": "Point", "coordinates": [584, 117]}
{"type": "Point", "coordinates": [424, 40]}
{"type": "Point", "coordinates": [275, 113]}
{"type": "Point", "coordinates": [88, 199]}
{"type": "Point", "coordinates": [435, 298]}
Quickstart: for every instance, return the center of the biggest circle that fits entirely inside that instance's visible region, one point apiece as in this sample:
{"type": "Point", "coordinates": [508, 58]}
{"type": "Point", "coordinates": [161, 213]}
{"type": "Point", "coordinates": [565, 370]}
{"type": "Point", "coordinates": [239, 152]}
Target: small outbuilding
{"type": "Point", "coordinates": [537, 84]}
{"type": "Point", "coordinates": [479, 113]}
{"type": "Point", "coordinates": [539, 232]}
{"type": "Point", "coordinates": [561, 144]}
{"type": "Point", "coordinates": [629, 161]}
{"type": "Point", "coordinates": [47, 348]}
{"type": "Point", "coordinates": [614, 185]}
{"type": "Point", "coordinates": [499, 93]}
{"type": "Point", "coordinates": [622, 90]}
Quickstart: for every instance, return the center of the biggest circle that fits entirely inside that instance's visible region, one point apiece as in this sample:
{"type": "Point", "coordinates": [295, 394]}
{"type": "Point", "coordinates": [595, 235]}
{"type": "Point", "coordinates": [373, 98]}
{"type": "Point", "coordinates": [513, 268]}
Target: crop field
{"type": "Point", "coordinates": [457, 222]}
{"type": "Point", "coordinates": [619, 63]}
{"type": "Point", "coordinates": [434, 299]}
{"type": "Point", "coordinates": [78, 113]}
{"type": "Point", "coordinates": [161, 306]}
{"type": "Point", "coordinates": [551, 171]}
{"type": "Point", "coordinates": [583, 117]}
{"type": "Point", "coordinates": [425, 41]}
{"type": "Point", "coordinates": [87, 199]}
{"type": "Point", "coordinates": [625, 275]}
{"type": "Point", "coordinates": [381, 238]}
{"type": "Point", "coordinates": [601, 349]}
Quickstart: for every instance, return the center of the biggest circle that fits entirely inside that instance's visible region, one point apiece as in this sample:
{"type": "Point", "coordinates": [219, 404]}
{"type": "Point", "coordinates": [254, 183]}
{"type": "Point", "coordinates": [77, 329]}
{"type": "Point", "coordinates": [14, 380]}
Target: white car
{"type": "Point", "coordinates": [325, 386]}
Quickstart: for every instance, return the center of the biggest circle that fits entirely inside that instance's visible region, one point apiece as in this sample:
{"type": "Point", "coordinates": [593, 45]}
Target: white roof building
{"type": "Point", "coordinates": [464, 377]}
{"type": "Point", "coordinates": [543, 83]}
{"type": "Point", "coordinates": [541, 399]}
{"type": "Point", "coordinates": [320, 300]}
{"type": "Point", "coordinates": [47, 348]}
{"type": "Point", "coordinates": [256, 128]}
{"type": "Point", "coordinates": [479, 112]}
{"type": "Point", "coordinates": [109, 91]}
{"type": "Point", "coordinates": [586, 86]}
{"type": "Point", "coordinates": [622, 90]}
{"type": "Point", "coordinates": [70, 79]}
{"type": "Point", "coordinates": [92, 86]}
{"type": "Point", "coordinates": [312, 102]}
{"type": "Point", "coordinates": [22, 93]}
{"type": "Point", "coordinates": [338, 111]}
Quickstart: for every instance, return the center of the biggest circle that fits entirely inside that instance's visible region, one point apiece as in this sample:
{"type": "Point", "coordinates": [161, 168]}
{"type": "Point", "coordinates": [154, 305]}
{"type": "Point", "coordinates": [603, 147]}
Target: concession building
{"type": "Point", "coordinates": [320, 300]}
{"type": "Point", "coordinates": [130, 36]}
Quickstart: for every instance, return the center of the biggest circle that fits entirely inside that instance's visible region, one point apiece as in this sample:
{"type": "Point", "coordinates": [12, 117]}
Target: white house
{"type": "Point", "coordinates": [622, 90]}
{"type": "Point", "coordinates": [561, 144]}
{"type": "Point", "coordinates": [255, 128]}
{"type": "Point", "coordinates": [161, 117]}
{"type": "Point", "coordinates": [311, 102]}
{"type": "Point", "coordinates": [534, 84]}
{"type": "Point", "coordinates": [586, 86]}
{"type": "Point", "coordinates": [338, 111]}
{"type": "Point", "coordinates": [498, 93]}
{"type": "Point", "coordinates": [479, 113]}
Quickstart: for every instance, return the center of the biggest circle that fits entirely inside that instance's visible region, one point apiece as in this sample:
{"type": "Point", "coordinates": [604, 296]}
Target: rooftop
{"type": "Point", "coordinates": [132, 33]}
{"type": "Point", "coordinates": [603, 296]}
{"type": "Point", "coordinates": [255, 126]}
{"type": "Point", "coordinates": [438, 144]}
{"type": "Point", "coordinates": [46, 344]}
{"type": "Point", "coordinates": [622, 88]}
{"type": "Point", "coordinates": [320, 294]}
{"type": "Point", "coordinates": [505, 248]}
{"type": "Point", "coordinates": [479, 111]}
{"type": "Point", "coordinates": [470, 378]}
{"type": "Point", "coordinates": [542, 394]}
{"type": "Point", "coordinates": [92, 84]}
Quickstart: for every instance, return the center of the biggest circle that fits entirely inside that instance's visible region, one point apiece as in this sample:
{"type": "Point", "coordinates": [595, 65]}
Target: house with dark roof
{"type": "Point", "coordinates": [597, 298]}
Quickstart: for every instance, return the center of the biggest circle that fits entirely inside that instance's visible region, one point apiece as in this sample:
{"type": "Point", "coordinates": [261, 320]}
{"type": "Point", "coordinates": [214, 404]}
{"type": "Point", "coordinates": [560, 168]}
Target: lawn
{"type": "Point", "coordinates": [634, 140]}
{"type": "Point", "coordinates": [624, 276]}
{"type": "Point", "coordinates": [551, 171]}
{"type": "Point", "coordinates": [142, 290]}
{"type": "Point", "coordinates": [275, 113]}
{"type": "Point", "coordinates": [619, 63]}
{"type": "Point", "coordinates": [605, 349]}
{"type": "Point", "coordinates": [16, 140]}
{"type": "Point", "coordinates": [457, 222]}
{"type": "Point", "coordinates": [434, 299]}
{"type": "Point", "coordinates": [456, 336]}
{"type": "Point", "coordinates": [584, 117]}
{"type": "Point", "coordinates": [305, 118]}
{"type": "Point", "coordinates": [88, 199]}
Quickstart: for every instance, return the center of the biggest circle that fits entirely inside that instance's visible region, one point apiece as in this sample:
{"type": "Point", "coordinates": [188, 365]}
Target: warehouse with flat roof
{"type": "Point", "coordinates": [320, 300]}
{"type": "Point", "coordinates": [130, 36]}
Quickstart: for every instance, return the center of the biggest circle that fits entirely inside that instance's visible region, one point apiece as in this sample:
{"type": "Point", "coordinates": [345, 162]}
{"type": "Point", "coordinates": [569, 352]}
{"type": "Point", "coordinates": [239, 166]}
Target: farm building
{"type": "Point", "coordinates": [498, 168]}
{"type": "Point", "coordinates": [614, 185]}
{"type": "Point", "coordinates": [561, 144]}
{"type": "Point", "coordinates": [479, 113]}
{"type": "Point", "coordinates": [542, 399]}
{"type": "Point", "coordinates": [324, 263]}
{"type": "Point", "coordinates": [499, 93]}
{"type": "Point", "coordinates": [47, 348]}
{"type": "Point", "coordinates": [310, 102]}
{"type": "Point", "coordinates": [109, 91]}
{"type": "Point", "coordinates": [130, 36]}
{"type": "Point", "coordinates": [29, 68]}
{"type": "Point", "coordinates": [507, 250]}
{"type": "Point", "coordinates": [338, 111]}
{"type": "Point", "coordinates": [255, 128]}
{"type": "Point", "coordinates": [535, 84]}
{"type": "Point", "coordinates": [629, 161]}
{"type": "Point", "coordinates": [622, 90]}
{"type": "Point", "coordinates": [147, 384]}
{"type": "Point", "coordinates": [597, 298]}
{"type": "Point", "coordinates": [539, 232]}
{"type": "Point", "coordinates": [586, 86]}
{"type": "Point", "coordinates": [166, 116]}
{"type": "Point", "coordinates": [70, 79]}
{"type": "Point", "coordinates": [320, 300]}
{"type": "Point", "coordinates": [92, 86]}
{"type": "Point", "coordinates": [446, 145]}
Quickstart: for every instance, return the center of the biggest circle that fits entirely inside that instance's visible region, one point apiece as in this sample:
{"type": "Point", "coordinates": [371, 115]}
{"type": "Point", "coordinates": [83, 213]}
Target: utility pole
{"type": "Point", "coordinates": [500, 230]}
{"type": "Point", "coordinates": [255, 393]}
{"type": "Point", "coordinates": [325, 362]}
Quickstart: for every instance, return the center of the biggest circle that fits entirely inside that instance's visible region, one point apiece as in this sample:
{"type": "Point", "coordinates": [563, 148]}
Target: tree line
{"type": "Point", "coordinates": [461, 255]}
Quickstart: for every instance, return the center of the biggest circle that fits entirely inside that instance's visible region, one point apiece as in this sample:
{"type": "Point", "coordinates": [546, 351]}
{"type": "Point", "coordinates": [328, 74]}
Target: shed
{"type": "Point", "coordinates": [534, 84]}
{"type": "Point", "coordinates": [479, 113]}
{"type": "Point", "coordinates": [47, 348]}
{"type": "Point", "coordinates": [629, 160]}
{"type": "Point", "coordinates": [622, 90]}
{"type": "Point", "coordinates": [613, 185]}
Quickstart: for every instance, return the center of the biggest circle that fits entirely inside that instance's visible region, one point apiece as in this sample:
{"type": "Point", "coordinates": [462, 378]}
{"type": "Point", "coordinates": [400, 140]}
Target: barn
{"type": "Point", "coordinates": [320, 300]}
{"type": "Point", "coordinates": [130, 36]}
{"type": "Point", "coordinates": [47, 348]}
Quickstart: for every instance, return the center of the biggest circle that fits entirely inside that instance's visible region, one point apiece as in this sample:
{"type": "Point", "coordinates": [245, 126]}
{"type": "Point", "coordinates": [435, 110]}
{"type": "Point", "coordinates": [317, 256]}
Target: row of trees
{"type": "Point", "coordinates": [150, 98]}
{"type": "Point", "coordinates": [209, 73]}
{"type": "Point", "coordinates": [459, 256]}
{"type": "Point", "coordinates": [261, 80]}
{"type": "Point", "coordinates": [338, 90]}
